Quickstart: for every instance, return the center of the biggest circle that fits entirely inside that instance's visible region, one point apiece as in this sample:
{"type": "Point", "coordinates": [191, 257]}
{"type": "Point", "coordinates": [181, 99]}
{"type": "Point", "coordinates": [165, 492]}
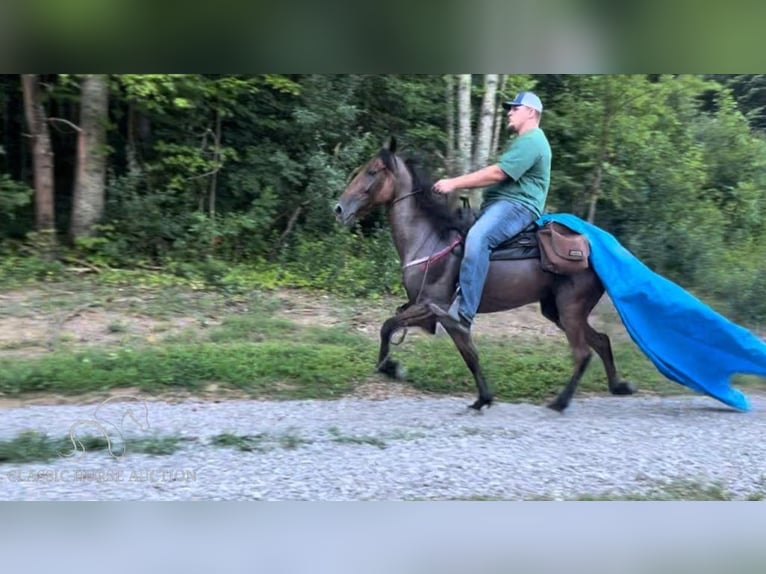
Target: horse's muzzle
{"type": "Point", "coordinates": [342, 217]}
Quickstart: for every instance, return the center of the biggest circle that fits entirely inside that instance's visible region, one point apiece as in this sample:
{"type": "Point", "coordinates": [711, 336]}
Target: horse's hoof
{"type": "Point", "coordinates": [481, 402]}
{"type": "Point", "coordinates": [557, 405]}
{"type": "Point", "coordinates": [392, 369]}
{"type": "Point", "coordinates": [623, 388]}
{"type": "Point", "coordinates": [400, 373]}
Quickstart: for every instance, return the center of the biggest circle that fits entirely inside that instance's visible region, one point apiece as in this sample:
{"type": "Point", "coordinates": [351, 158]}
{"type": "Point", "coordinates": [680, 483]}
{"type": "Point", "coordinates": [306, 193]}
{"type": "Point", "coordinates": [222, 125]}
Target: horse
{"type": "Point", "coordinates": [426, 232]}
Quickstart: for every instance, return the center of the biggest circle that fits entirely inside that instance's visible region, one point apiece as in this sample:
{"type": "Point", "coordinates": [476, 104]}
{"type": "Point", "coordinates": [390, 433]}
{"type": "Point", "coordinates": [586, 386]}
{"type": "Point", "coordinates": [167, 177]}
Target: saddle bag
{"type": "Point", "coordinates": [562, 250]}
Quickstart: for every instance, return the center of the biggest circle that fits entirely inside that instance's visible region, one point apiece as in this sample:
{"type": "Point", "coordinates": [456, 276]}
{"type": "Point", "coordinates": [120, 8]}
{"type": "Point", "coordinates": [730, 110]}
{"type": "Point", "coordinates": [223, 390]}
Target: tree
{"type": "Point", "coordinates": [594, 141]}
{"type": "Point", "coordinates": [42, 158]}
{"type": "Point", "coordinates": [499, 116]}
{"type": "Point", "coordinates": [464, 135]}
{"type": "Point", "coordinates": [449, 81]}
{"type": "Point", "coordinates": [90, 171]}
{"type": "Point", "coordinates": [483, 147]}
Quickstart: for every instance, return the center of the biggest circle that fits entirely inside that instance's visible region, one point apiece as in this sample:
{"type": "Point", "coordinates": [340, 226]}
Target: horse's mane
{"type": "Point", "coordinates": [432, 203]}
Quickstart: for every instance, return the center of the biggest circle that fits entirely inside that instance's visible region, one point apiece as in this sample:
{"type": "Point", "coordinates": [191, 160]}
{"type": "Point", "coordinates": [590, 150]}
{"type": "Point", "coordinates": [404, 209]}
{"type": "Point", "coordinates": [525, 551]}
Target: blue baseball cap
{"type": "Point", "coordinates": [524, 99]}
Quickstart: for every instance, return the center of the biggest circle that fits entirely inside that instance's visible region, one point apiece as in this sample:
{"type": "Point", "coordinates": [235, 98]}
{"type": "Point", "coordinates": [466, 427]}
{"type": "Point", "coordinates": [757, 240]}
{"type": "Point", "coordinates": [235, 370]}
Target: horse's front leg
{"type": "Point", "coordinates": [406, 316]}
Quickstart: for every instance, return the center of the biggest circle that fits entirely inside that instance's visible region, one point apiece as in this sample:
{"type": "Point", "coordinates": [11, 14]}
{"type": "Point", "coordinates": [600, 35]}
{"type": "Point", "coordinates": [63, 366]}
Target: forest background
{"type": "Point", "coordinates": [228, 181]}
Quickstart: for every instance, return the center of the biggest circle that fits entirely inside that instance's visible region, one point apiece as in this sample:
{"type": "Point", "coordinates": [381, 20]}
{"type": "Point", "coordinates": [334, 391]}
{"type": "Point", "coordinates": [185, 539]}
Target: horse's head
{"type": "Point", "coordinates": [372, 184]}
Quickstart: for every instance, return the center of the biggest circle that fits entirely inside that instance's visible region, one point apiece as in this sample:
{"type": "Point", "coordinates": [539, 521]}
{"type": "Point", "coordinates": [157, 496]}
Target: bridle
{"type": "Point", "coordinates": [406, 195]}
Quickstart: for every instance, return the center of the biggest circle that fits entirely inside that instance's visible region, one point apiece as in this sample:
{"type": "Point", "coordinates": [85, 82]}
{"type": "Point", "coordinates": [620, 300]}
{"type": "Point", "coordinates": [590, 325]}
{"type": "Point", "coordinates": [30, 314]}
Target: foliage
{"type": "Point", "coordinates": [346, 263]}
{"type": "Point", "coordinates": [31, 446]}
{"type": "Point", "coordinates": [229, 180]}
{"type": "Point", "coordinates": [14, 196]}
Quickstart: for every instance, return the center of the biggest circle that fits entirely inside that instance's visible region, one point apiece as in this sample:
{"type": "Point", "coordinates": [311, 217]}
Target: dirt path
{"type": "Point", "coordinates": [32, 324]}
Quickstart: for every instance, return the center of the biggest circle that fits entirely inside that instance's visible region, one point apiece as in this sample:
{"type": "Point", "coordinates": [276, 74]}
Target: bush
{"type": "Point", "coordinates": [16, 270]}
{"type": "Point", "coordinates": [345, 263]}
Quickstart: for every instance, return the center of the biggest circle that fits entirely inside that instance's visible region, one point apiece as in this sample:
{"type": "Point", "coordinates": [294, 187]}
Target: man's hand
{"type": "Point", "coordinates": [445, 185]}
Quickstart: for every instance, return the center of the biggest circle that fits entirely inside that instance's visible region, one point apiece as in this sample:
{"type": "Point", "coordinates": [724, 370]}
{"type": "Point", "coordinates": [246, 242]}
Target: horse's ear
{"type": "Point", "coordinates": [391, 146]}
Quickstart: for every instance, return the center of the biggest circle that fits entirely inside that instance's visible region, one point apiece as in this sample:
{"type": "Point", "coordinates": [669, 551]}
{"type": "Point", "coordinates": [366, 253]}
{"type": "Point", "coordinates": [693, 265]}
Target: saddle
{"type": "Point", "coordinates": [559, 249]}
{"type": "Point", "coordinates": [524, 245]}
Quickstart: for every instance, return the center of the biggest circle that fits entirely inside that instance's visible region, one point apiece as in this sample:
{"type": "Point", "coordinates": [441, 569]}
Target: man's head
{"type": "Point", "coordinates": [523, 112]}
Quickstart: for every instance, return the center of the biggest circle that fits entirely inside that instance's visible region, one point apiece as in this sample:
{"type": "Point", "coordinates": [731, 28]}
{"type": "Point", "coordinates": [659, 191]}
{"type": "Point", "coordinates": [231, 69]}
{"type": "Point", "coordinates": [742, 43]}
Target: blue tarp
{"type": "Point", "coordinates": [687, 341]}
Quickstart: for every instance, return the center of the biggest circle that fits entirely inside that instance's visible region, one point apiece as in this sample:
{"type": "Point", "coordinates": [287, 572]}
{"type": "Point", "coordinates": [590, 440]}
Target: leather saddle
{"type": "Point", "coordinates": [523, 245]}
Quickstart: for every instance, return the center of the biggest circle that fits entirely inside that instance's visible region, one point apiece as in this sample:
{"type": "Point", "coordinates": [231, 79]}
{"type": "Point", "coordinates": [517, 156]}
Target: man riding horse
{"type": "Point", "coordinates": [518, 187]}
{"type": "Point", "coordinates": [426, 234]}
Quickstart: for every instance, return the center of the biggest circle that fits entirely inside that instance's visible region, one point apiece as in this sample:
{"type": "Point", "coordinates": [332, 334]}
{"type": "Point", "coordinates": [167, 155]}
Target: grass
{"type": "Point", "coordinates": [672, 490]}
{"type": "Point", "coordinates": [340, 437]}
{"type": "Point", "coordinates": [240, 342]}
{"type": "Point", "coordinates": [261, 442]}
{"type": "Point", "coordinates": [528, 371]}
{"type": "Point", "coordinates": [290, 439]}
{"type": "Point", "coordinates": [274, 369]}
{"type": "Point", "coordinates": [275, 359]}
{"type": "Point", "coordinates": [117, 327]}
{"type": "Point", "coordinates": [676, 490]}
{"type": "Point", "coordinates": [32, 446]}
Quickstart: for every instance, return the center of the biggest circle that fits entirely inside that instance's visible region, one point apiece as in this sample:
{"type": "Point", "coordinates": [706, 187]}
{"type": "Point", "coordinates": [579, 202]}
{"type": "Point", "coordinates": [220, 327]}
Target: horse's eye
{"type": "Point", "coordinates": [372, 172]}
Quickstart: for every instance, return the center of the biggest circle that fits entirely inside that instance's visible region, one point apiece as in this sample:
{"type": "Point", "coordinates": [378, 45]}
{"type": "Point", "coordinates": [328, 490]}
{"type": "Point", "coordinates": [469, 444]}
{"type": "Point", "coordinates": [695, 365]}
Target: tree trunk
{"type": "Point", "coordinates": [499, 119]}
{"type": "Point", "coordinates": [216, 160]}
{"type": "Point", "coordinates": [595, 191]}
{"type": "Point", "coordinates": [464, 123]}
{"type": "Point", "coordinates": [90, 174]}
{"type": "Point", "coordinates": [450, 101]}
{"type": "Point", "coordinates": [486, 122]}
{"type": "Point", "coordinates": [42, 158]}
{"type": "Point", "coordinates": [131, 138]}
{"type": "Point", "coordinates": [465, 137]}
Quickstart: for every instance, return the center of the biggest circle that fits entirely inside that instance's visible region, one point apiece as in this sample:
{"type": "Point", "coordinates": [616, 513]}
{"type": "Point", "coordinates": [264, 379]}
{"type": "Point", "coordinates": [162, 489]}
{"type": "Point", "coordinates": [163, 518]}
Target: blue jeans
{"type": "Point", "coordinates": [496, 223]}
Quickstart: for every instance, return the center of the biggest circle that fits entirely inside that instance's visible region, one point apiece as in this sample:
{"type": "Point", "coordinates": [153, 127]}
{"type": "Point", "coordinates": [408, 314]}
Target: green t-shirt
{"type": "Point", "coordinates": [527, 162]}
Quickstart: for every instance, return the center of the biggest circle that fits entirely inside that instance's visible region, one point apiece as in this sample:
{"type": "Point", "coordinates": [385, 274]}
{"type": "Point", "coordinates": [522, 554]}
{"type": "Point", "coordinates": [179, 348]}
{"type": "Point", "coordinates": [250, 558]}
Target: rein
{"type": "Point", "coordinates": [426, 261]}
{"type": "Point", "coordinates": [406, 195]}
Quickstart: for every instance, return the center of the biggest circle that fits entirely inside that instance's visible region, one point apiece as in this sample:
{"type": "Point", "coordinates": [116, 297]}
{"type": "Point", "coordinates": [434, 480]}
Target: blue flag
{"type": "Point", "coordinates": [687, 341]}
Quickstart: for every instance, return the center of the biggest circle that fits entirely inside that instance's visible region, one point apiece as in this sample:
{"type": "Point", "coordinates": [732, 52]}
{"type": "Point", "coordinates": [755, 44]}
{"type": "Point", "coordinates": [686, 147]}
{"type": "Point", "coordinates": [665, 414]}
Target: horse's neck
{"type": "Point", "coordinates": [414, 234]}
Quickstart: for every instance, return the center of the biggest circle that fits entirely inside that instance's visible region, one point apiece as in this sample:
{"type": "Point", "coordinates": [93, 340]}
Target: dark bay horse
{"type": "Point", "coordinates": [425, 231]}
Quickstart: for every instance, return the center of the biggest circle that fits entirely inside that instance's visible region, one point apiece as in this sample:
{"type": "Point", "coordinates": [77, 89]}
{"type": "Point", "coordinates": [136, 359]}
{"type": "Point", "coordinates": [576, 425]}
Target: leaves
{"type": "Point", "coordinates": [674, 165]}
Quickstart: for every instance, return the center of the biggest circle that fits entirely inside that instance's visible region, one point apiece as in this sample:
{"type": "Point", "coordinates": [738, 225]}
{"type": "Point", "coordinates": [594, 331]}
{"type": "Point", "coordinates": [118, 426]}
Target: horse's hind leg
{"type": "Point", "coordinates": [600, 343]}
{"type": "Point", "coordinates": [573, 321]}
{"type": "Point", "coordinates": [407, 316]}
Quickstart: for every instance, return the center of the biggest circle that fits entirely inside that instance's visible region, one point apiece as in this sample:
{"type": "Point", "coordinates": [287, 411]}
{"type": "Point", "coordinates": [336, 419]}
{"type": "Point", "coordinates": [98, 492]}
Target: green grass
{"type": "Point", "coordinates": [238, 342]}
{"type": "Point", "coordinates": [290, 439]}
{"type": "Point", "coordinates": [273, 358]}
{"type": "Point", "coordinates": [672, 490]}
{"type": "Point", "coordinates": [523, 370]}
{"type": "Point", "coordinates": [32, 446]}
{"type": "Point", "coordinates": [303, 370]}
{"type": "Point", "coordinates": [245, 443]}
{"type": "Point", "coordinates": [676, 490]}
{"type": "Point", "coordinates": [117, 327]}
{"type": "Point", "coordinates": [261, 442]}
{"type": "Point", "coordinates": [339, 437]}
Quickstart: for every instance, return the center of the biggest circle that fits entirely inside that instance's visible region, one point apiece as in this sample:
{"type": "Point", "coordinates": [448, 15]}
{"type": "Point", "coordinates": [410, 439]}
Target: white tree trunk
{"type": "Point", "coordinates": [465, 138]}
{"type": "Point", "coordinates": [90, 174]}
{"type": "Point", "coordinates": [486, 122]}
{"type": "Point", "coordinates": [449, 81]}
{"type": "Point", "coordinates": [499, 118]}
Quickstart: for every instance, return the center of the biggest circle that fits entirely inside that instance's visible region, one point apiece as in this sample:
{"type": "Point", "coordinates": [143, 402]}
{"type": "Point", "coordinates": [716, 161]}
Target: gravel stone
{"type": "Point", "coordinates": [399, 449]}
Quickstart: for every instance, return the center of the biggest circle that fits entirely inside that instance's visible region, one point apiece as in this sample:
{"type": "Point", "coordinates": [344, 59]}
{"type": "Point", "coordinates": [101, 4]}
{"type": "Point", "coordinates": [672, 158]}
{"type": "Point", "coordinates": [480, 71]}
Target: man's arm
{"type": "Point", "coordinates": [479, 178]}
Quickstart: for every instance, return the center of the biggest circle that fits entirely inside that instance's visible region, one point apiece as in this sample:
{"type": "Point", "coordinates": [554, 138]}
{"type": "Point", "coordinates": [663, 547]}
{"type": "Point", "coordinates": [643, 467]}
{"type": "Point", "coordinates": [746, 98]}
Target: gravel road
{"type": "Point", "coordinates": [398, 449]}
